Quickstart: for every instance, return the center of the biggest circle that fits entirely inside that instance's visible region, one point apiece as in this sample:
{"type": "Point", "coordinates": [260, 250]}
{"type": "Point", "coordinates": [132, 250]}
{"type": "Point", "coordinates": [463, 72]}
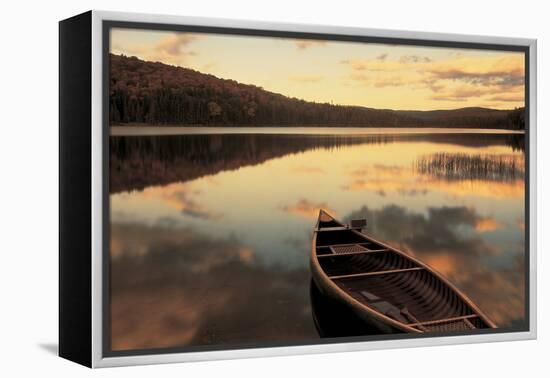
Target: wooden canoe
{"type": "Point", "coordinates": [386, 287]}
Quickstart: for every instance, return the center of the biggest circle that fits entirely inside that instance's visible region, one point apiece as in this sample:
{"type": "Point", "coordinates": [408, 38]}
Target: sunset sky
{"type": "Point", "coordinates": [349, 73]}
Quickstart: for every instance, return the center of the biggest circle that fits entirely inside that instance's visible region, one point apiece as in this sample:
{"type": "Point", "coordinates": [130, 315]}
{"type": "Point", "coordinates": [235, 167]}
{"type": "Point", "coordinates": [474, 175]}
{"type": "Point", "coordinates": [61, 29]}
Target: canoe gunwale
{"type": "Point", "coordinates": [336, 291]}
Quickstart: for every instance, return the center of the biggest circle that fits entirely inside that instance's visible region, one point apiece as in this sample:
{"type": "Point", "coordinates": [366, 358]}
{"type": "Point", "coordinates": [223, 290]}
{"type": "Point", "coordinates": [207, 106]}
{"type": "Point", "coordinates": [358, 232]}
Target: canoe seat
{"type": "Point", "coordinates": [384, 307]}
{"type": "Point", "coordinates": [348, 248]}
{"type": "Point", "coordinates": [458, 325]}
{"type": "Point", "coordinates": [370, 296]}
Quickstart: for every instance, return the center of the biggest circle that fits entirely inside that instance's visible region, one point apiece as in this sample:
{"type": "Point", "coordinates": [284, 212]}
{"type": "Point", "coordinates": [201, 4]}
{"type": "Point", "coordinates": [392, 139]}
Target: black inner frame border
{"type": "Point", "coordinates": [107, 25]}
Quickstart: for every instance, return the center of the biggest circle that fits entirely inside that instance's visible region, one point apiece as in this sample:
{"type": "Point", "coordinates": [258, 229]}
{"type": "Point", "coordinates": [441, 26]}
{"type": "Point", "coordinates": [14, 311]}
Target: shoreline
{"type": "Point", "coordinates": [135, 130]}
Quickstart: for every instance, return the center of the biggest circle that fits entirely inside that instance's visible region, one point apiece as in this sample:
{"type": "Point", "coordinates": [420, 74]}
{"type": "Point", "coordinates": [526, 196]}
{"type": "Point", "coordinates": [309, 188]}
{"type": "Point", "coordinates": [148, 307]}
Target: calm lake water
{"type": "Point", "coordinates": [211, 234]}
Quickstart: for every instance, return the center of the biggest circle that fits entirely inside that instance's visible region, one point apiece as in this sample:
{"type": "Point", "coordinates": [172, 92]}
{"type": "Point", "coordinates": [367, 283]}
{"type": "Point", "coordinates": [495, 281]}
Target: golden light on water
{"type": "Point", "coordinates": [241, 233]}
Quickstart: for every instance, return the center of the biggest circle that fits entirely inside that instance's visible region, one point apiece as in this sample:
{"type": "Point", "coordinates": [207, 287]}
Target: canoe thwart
{"type": "Point", "coordinates": [391, 271]}
{"type": "Point", "coordinates": [343, 245]}
{"type": "Point", "coordinates": [335, 228]}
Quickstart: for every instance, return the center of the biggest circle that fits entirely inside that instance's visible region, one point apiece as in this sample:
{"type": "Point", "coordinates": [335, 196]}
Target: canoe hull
{"type": "Point", "coordinates": [385, 287]}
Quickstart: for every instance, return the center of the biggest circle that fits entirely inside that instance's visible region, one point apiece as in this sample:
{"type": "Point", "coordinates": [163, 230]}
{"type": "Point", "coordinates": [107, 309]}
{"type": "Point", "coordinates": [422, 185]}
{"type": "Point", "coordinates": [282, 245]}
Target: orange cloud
{"type": "Point", "coordinates": [443, 264]}
{"type": "Point", "coordinates": [182, 198]}
{"type": "Point", "coordinates": [503, 71]}
{"type": "Point", "coordinates": [487, 224]}
{"type": "Point", "coordinates": [521, 224]}
{"type": "Point", "coordinates": [306, 209]}
{"type": "Point", "coordinates": [460, 94]}
{"type": "Point", "coordinates": [173, 44]}
{"type": "Point", "coordinates": [246, 255]}
{"type": "Point", "coordinates": [172, 49]}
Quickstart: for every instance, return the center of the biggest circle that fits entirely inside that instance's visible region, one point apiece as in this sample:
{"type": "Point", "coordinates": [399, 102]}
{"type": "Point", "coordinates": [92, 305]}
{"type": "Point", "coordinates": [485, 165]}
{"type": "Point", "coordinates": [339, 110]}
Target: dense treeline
{"type": "Point", "coordinates": [516, 118]}
{"type": "Point", "coordinates": [156, 93]}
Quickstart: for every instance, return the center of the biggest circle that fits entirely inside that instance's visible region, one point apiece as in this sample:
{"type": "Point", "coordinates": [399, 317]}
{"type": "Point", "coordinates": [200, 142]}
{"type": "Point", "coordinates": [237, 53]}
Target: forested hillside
{"type": "Point", "coordinates": [144, 92]}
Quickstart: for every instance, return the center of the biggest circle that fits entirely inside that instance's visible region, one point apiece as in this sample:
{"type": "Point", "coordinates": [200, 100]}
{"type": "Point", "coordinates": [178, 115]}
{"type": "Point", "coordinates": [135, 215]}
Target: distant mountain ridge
{"type": "Point", "coordinates": [143, 92]}
{"type": "Point", "coordinates": [459, 111]}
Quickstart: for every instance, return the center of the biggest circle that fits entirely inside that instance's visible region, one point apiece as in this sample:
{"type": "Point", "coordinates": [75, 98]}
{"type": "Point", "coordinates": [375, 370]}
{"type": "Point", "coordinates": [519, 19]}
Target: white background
{"type": "Point", "coordinates": [29, 190]}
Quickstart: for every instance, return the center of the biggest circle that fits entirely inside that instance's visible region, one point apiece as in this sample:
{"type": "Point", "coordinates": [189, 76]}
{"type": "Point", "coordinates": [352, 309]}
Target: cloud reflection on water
{"type": "Point", "coordinates": [403, 180]}
{"type": "Point", "coordinates": [176, 287]}
{"type": "Point", "coordinates": [446, 240]}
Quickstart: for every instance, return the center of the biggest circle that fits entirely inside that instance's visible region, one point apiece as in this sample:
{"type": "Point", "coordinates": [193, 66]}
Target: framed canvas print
{"type": "Point", "coordinates": [233, 189]}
